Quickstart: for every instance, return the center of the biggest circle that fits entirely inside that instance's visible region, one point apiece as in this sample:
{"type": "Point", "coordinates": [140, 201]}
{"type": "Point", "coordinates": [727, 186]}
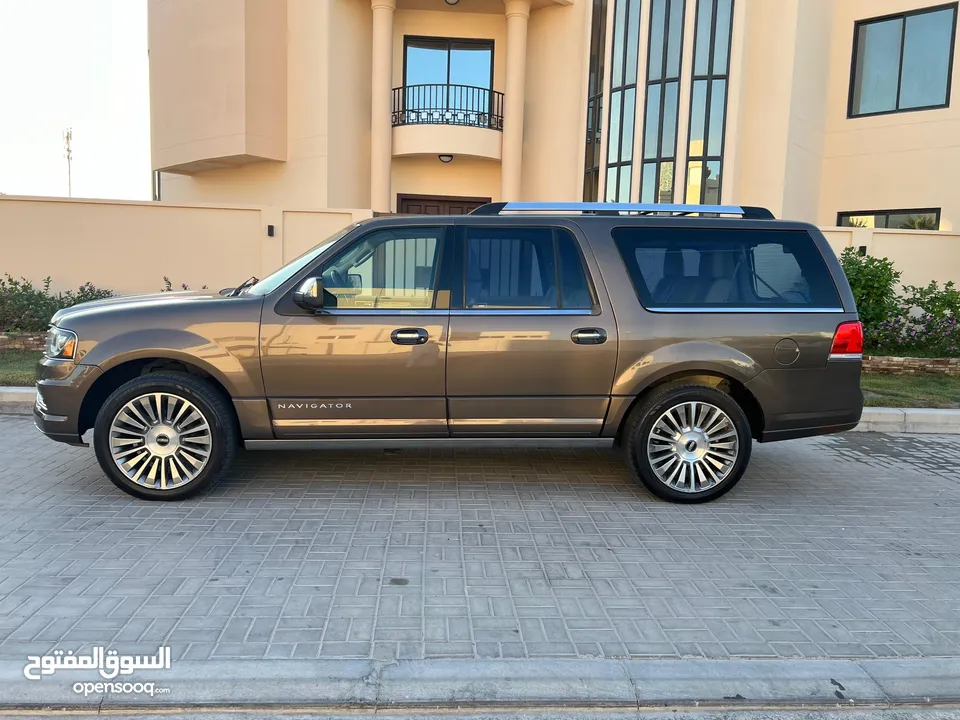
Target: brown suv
{"type": "Point", "coordinates": [678, 338]}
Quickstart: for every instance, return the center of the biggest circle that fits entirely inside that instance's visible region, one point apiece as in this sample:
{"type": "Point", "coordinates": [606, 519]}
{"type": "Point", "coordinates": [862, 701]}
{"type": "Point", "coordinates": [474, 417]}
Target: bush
{"type": "Point", "coordinates": [26, 308]}
{"type": "Point", "coordinates": [874, 285]}
{"type": "Point", "coordinates": [168, 285]}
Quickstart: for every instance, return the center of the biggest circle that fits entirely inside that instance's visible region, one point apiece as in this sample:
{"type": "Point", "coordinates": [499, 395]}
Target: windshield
{"type": "Point", "coordinates": [275, 279]}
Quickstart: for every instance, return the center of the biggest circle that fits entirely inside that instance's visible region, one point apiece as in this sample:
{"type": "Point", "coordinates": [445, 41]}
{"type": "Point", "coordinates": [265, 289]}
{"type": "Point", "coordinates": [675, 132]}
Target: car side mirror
{"type": "Point", "coordinates": [309, 295]}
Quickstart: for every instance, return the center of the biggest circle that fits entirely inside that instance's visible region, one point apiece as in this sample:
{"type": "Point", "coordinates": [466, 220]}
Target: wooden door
{"type": "Point", "coordinates": [438, 204]}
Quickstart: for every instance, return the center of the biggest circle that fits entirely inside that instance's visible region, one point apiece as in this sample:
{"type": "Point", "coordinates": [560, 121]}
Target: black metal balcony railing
{"type": "Point", "coordinates": [448, 105]}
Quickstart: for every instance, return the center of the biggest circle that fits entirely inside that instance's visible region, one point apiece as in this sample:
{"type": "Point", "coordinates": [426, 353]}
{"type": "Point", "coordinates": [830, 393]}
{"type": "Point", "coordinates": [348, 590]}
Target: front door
{"type": "Point", "coordinates": [438, 204]}
{"type": "Point", "coordinates": [373, 362]}
{"type": "Point", "coordinates": [533, 343]}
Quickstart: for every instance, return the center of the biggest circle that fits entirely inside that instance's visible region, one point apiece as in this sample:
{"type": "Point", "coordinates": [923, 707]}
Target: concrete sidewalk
{"type": "Point", "coordinates": [20, 400]}
{"type": "Point", "coordinates": [493, 684]}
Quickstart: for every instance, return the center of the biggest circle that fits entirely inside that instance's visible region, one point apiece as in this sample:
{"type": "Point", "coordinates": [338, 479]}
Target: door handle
{"type": "Point", "coordinates": [409, 336]}
{"type": "Point", "coordinates": [589, 336]}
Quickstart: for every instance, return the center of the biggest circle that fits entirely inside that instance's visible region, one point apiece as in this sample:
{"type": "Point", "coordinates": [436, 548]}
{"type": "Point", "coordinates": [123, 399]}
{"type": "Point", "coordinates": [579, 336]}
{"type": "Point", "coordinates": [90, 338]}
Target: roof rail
{"type": "Point", "coordinates": [600, 208]}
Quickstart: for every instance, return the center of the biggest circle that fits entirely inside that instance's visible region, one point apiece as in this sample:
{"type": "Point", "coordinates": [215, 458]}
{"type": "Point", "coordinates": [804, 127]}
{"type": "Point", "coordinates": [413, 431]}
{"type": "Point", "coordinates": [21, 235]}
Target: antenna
{"type": "Point", "coordinates": [68, 146]}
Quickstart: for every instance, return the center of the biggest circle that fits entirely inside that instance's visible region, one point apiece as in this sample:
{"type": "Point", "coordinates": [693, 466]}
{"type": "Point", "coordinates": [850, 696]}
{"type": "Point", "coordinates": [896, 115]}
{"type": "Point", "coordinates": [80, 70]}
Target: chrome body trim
{"type": "Point", "coordinates": [562, 207]}
{"type": "Point", "coordinates": [384, 311]}
{"type": "Point", "coordinates": [845, 356]}
{"type": "Point", "coordinates": [416, 443]}
{"type": "Point", "coordinates": [361, 423]}
{"type": "Point", "coordinates": [529, 311]}
{"type": "Point", "coordinates": [770, 311]}
{"type": "Point", "coordinates": [472, 422]}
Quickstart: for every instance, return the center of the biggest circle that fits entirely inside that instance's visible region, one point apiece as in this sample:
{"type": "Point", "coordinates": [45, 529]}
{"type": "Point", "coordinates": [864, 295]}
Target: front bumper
{"type": "Point", "coordinates": [61, 388]}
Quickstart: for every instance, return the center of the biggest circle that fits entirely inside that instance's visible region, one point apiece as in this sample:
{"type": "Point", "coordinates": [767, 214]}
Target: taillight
{"type": "Point", "coordinates": [848, 340]}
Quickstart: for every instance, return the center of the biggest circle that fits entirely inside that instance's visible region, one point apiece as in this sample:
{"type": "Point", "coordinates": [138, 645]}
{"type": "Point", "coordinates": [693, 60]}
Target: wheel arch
{"type": "Point", "coordinates": [711, 377]}
{"type": "Point", "coordinates": [129, 369]}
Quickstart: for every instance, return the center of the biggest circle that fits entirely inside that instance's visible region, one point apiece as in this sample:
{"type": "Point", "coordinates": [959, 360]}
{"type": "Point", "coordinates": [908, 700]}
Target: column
{"type": "Point", "coordinates": [381, 87]}
{"type": "Point", "coordinates": [518, 12]}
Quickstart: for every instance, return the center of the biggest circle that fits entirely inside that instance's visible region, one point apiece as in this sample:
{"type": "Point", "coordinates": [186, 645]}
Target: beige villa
{"type": "Point", "coordinates": [832, 111]}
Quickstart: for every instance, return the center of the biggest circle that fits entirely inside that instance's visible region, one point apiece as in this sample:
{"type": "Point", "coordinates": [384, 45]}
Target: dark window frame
{"type": "Point", "coordinates": [709, 77]}
{"type": "Point", "coordinates": [887, 213]}
{"type": "Point", "coordinates": [591, 154]}
{"type": "Point", "coordinates": [665, 79]}
{"type": "Point", "coordinates": [902, 16]}
{"type": "Point", "coordinates": [620, 75]}
{"type": "Point", "coordinates": [460, 294]}
{"type": "Point", "coordinates": [449, 41]}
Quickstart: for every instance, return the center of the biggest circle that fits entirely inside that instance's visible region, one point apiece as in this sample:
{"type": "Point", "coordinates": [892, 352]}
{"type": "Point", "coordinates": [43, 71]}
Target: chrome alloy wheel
{"type": "Point", "coordinates": [693, 447]}
{"type": "Point", "coordinates": [160, 441]}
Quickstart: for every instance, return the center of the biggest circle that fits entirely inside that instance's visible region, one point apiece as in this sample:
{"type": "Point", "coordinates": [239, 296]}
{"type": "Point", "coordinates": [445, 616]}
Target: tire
{"type": "Point", "coordinates": [711, 452]}
{"type": "Point", "coordinates": [193, 446]}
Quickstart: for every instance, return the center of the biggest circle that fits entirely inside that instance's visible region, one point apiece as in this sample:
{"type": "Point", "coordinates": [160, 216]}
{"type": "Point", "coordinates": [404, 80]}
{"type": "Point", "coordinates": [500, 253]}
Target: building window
{"type": "Point", "coordinates": [708, 103]}
{"type": "Point", "coordinates": [662, 103]}
{"type": "Point", "coordinates": [926, 219]}
{"type": "Point", "coordinates": [447, 81]}
{"type": "Point", "coordinates": [591, 161]}
{"type": "Point", "coordinates": [902, 62]}
{"type": "Point", "coordinates": [623, 100]}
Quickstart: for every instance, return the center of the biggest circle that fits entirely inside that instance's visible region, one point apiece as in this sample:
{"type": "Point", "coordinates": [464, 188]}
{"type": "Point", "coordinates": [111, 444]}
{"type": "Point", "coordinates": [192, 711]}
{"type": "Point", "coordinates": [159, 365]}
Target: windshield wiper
{"type": "Point", "coordinates": [244, 285]}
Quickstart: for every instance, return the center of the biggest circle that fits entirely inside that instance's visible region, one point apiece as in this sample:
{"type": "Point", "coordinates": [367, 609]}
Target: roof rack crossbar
{"type": "Point", "coordinates": [600, 208]}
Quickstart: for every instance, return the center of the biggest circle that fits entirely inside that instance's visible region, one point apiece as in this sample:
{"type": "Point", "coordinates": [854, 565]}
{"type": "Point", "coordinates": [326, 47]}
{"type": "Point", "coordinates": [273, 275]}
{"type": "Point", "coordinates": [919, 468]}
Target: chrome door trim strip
{"type": "Point", "coordinates": [505, 311]}
{"type": "Point", "coordinates": [361, 423]}
{"type": "Point", "coordinates": [742, 310]}
{"type": "Point", "coordinates": [416, 443]}
{"type": "Point", "coordinates": [384, 311]}
{"type": "Point", "coordinates": [473, 422]}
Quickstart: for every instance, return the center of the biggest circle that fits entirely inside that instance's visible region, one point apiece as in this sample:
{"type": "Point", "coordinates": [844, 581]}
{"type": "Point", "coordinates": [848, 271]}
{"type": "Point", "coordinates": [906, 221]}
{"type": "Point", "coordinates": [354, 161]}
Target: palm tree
{"type": "Point", "coordinates": [920, 222]}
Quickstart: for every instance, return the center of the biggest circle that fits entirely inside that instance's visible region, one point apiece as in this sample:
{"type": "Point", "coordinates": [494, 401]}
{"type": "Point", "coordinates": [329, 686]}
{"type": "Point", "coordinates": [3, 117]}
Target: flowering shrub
{"type": "Point", "coordinates": [914, 321]}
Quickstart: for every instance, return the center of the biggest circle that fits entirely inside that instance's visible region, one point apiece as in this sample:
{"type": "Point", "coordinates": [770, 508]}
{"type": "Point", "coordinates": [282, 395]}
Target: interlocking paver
{"type": "Point", "coordinates": [845, 546]}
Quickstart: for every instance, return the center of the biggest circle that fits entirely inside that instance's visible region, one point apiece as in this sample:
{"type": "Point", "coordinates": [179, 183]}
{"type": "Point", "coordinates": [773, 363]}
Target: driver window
{"type": "Point", "coordinates": [391, 268]}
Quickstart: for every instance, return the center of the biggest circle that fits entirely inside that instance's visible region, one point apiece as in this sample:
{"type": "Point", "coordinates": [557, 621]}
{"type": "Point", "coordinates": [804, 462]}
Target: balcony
{"type": "Point", "coordinates": [447, 119]}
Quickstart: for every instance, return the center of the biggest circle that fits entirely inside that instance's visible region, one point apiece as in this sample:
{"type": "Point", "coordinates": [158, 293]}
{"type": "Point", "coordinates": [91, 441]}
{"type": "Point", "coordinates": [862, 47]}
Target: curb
{"type": "Point", "coordinates": [492, 683]}
{"type": "Point", "coordinates": [17, 400]}
{"type": "Point", "coordinates": [20, 401]}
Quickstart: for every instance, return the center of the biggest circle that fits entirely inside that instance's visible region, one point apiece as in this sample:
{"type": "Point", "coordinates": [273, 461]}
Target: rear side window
{"type": "Point", "coordinates": [524, 268]}
{"type": "Point", "coordinates": [674, 268]}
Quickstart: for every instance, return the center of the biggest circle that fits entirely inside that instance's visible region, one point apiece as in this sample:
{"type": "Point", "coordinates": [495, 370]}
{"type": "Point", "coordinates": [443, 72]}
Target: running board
{"type": "Point", "coordinates": [423, 443]}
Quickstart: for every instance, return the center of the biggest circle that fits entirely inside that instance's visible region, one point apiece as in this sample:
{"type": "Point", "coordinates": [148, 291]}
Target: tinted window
{"type": "Point", "coordinates": [902, 62]}
{"type": "Point", "coordinates": [536, 268]}
{"type": "Point", "coordinates": [385, 269]}
{"type": "Point", "coordinates": [685, 267]}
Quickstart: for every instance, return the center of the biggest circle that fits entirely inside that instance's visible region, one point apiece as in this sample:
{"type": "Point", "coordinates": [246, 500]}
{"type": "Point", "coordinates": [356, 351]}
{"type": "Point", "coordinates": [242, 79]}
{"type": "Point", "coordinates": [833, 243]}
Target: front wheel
{"type": "Point", "coordinates": [688, 443]}
{"type": "Point", "coordinates": [165, 436]}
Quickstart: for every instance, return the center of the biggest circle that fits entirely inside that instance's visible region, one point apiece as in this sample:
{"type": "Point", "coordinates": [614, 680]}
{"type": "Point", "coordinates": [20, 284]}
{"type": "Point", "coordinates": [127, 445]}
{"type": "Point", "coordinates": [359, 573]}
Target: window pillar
{"type": "Point", "coordinates": [381, 82]}
{"type": "Point", "coordinates": [517, 12]}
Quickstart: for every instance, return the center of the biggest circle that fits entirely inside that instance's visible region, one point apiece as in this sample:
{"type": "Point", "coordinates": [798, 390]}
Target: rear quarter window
{"type": "Point", "coordinates": [677, 268]}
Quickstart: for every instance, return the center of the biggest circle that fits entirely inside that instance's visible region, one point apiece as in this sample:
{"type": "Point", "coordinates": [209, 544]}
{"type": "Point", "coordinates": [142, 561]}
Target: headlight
{"type": "Point", "coordinates": [61, 344]}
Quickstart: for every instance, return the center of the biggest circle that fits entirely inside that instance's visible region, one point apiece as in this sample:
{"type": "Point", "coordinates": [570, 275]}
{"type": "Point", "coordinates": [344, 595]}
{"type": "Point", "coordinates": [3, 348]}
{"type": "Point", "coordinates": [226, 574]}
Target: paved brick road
{"type": "Point", "coordinates": [837, 547]}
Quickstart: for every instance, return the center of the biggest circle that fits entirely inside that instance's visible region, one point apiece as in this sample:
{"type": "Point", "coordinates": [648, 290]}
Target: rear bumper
{"type": "Point", "coordinates": [61, 388]}
{"type": "Point", "coordinates": [804, 402]}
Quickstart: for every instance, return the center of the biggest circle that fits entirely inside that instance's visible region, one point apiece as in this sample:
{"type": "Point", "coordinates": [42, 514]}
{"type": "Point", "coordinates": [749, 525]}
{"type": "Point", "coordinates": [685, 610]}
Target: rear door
{"type": "Point", "coordinates": [532, 347]}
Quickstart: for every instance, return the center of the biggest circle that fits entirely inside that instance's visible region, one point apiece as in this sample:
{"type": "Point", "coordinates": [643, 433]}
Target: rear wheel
{"type": "Point", "coordinates": [688, 443]}
{"type": "Point", "coordinates": [165, 436]}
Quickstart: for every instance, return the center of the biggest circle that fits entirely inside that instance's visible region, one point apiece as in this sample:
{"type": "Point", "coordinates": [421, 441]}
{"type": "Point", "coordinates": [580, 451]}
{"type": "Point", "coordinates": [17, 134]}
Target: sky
{"type": "Point", "coordinates": [80, 64]}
